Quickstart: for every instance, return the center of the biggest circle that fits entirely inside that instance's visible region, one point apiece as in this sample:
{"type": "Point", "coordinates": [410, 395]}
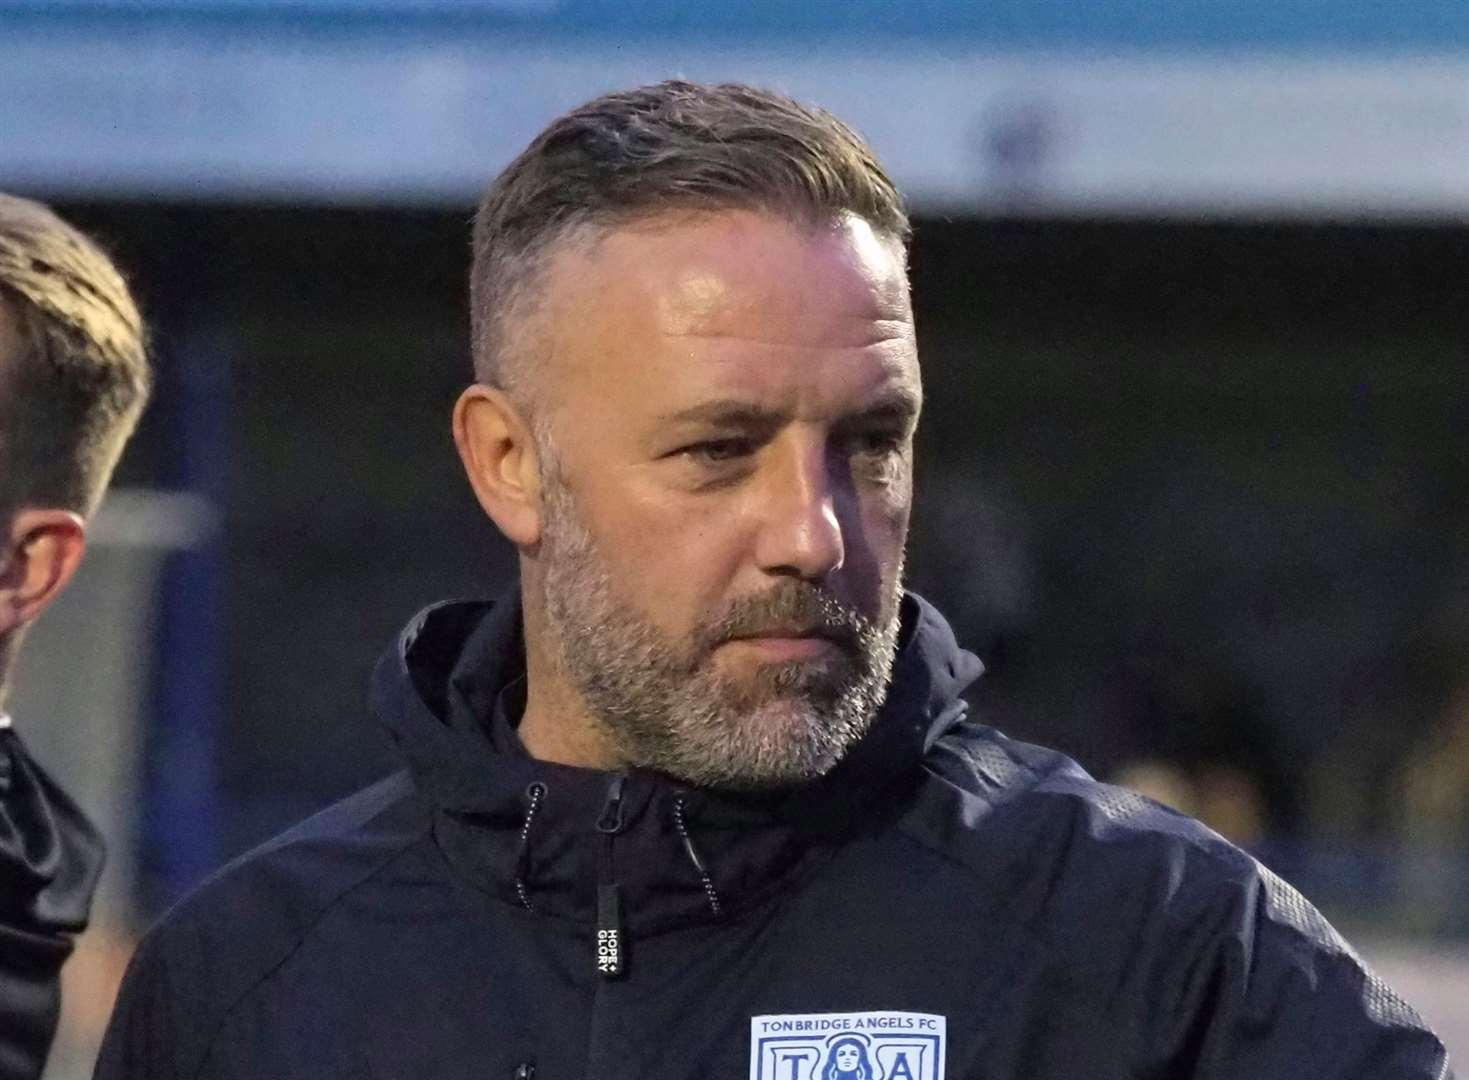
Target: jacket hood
{"type": "Point", "coordinates": [529, 831]}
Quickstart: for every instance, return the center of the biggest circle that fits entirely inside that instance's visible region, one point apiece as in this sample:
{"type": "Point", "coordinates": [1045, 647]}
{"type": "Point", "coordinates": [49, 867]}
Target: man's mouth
{"type": "Point", "coordinates": [785, 647]}
{"type": "Point", "coordinates": [793, 642]}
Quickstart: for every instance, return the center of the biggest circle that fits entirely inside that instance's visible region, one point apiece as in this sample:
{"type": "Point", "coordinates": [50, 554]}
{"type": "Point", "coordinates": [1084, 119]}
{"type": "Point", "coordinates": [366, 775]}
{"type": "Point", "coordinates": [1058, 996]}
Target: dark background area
{"type": "Point", "coordinates": [1195, 493]}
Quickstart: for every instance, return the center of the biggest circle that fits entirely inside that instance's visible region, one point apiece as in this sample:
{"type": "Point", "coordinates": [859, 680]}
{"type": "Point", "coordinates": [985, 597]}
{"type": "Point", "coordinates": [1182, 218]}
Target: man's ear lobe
{"type": "Point", "coordinates": [499, 455]}
{"type": "Point", "coordinates": [42, 550]}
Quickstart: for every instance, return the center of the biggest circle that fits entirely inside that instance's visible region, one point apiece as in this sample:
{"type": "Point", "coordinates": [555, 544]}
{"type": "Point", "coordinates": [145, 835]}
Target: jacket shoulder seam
{"type": "Point", "coordinates": [301, 939]}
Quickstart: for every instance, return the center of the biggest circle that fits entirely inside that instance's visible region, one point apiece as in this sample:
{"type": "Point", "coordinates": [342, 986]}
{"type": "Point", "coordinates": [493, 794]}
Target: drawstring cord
{"type": "Point", "coordinates": [688, 845]}
{"type": "Point", "coordinates": [534, 794]}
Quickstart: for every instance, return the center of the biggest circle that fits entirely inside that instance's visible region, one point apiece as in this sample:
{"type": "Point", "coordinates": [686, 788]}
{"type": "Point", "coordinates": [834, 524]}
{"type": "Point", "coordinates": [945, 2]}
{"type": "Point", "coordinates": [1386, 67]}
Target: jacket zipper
{"type": "Point", "coordinates": [609, 956]}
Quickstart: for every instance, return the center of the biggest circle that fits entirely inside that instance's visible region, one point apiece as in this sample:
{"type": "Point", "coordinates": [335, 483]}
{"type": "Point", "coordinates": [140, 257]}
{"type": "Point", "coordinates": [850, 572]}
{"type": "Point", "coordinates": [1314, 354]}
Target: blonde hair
{"type": "Point", "coordinates": [71, 393]}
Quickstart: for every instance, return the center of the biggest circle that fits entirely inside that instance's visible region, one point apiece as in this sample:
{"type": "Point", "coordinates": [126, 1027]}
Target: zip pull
{"type": "Point", "coordinates": [609, 931]}
{"type": "Point", "coordinates": [609, 952]}
{"type": "Point", "coordinates": [610, 821]}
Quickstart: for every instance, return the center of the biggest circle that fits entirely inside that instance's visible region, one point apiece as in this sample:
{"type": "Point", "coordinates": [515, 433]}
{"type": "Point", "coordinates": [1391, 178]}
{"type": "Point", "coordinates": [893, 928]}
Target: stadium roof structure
{"type": "Point", "coordinates": [1311, 109]}
{"type": "Point", "coordinates": [1107, 24]}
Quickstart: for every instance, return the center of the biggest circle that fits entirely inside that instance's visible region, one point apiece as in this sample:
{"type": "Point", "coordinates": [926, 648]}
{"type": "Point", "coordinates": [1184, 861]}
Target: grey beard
{"type": "Point", "coordinates": [664, 706]}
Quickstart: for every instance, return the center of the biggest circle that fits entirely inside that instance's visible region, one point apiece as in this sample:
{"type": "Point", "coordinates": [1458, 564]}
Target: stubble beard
{"type": "Point", "coordinates": [665, 705]}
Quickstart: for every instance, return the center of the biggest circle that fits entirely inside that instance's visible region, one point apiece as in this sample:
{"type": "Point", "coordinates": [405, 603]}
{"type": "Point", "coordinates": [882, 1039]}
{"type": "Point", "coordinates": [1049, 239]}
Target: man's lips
{"type": "Point", "coordinates": [791, 643]}
{"type": "Point", "coordinates": [808, 647]}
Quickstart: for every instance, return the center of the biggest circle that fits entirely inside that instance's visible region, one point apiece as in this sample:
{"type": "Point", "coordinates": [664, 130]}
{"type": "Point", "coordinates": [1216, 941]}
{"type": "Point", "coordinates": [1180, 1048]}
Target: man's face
{"type": "Point", "coordinates": [726, 442]}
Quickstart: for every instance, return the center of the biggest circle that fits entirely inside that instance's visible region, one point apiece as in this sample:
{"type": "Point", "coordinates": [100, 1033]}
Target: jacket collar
{"type": "Point", "coordinates": [526, 831]}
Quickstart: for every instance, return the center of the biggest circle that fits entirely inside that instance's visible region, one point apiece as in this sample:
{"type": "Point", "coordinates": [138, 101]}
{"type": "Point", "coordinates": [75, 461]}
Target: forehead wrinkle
{"type": "Point", "coordinates": [876, 343]}
{"type": "Point", "coordinates": [700, 303]}
{"type": "Point", "coordinates": [711, 291]}
{"type": "Point", "coordinates": [614, 295]}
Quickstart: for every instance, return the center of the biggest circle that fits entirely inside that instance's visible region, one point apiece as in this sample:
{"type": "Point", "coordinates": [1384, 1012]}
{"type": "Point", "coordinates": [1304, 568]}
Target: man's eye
{"type": "Point", "coordinates": [718, 450]}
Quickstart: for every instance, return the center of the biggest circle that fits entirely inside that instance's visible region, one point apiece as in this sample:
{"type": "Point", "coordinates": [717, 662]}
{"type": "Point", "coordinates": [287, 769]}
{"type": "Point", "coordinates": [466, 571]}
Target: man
{"type": "Point", "coordinates": [701, 798]}
{"type": "Point", "coordinates": [73, 379]}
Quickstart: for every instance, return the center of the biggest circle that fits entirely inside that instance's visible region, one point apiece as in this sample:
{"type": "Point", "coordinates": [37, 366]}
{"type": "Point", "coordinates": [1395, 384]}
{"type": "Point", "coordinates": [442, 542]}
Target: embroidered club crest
{"type": "Point", "coordinates": [847, 1046]}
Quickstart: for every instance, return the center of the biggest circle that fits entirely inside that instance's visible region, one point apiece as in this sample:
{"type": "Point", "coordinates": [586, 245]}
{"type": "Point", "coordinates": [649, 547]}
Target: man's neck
{"type": "Point", "coordinates": [556, 726]}
{"type": "Point", "coordinates": [548, 739]}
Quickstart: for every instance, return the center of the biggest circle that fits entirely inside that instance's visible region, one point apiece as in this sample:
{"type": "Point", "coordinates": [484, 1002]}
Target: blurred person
{"type": "Point", "coordinates": [702, 791]}
{"type": "Point", "coordinates": [73, 380]}
{"type": "Point", "coordinates": [1393, 786]}
{"type": "Point", "coordinates": [1162, 781]}
{"type": "Point", "coordinates": [1431, 823]}
{"type": "Point", "coordinates": [1219, 794]}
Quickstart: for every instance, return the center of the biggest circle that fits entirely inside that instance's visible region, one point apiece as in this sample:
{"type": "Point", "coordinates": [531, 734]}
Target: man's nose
{"type": "Point", "coordinates": [801, 518]}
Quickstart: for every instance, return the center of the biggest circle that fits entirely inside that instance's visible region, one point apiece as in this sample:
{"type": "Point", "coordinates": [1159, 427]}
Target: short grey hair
{"type": "Point", "coordinates": [671, 147]}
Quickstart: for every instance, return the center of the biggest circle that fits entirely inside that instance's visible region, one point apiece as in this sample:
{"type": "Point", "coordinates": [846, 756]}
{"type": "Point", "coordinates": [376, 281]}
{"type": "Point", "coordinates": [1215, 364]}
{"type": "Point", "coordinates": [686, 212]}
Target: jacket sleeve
{"type": "Point", "coordinates": [142, 1038]}
{"type": "Point", "coordinates": [50, 859]}
{"type": "Point", "coordinates": [1285, 995]}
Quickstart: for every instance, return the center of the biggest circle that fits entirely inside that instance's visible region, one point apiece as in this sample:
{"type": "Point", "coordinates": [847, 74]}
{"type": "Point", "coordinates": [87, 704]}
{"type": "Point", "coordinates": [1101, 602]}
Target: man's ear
{"type": "Point", "coordinates": [499, 454]}
{"type": "Point", "coordinates": [42, 550]}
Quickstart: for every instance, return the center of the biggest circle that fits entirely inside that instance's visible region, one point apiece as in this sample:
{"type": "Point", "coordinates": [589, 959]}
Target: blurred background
{"type": "Point", "coordinates": [1191, 285]}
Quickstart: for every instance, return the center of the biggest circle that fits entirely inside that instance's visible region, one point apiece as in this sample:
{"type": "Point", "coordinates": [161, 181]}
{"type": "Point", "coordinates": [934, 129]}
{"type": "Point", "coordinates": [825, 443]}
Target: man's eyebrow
{"type": "Point", "coordinates": [726, 412]}
{"type": "Point", "coordinates": [898, 406]}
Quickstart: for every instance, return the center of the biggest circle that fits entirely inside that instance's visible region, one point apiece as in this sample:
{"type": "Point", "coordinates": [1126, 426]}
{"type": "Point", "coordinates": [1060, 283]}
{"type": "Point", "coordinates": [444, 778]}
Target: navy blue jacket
{"type": "Point", "coordinates": [945, 903]}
